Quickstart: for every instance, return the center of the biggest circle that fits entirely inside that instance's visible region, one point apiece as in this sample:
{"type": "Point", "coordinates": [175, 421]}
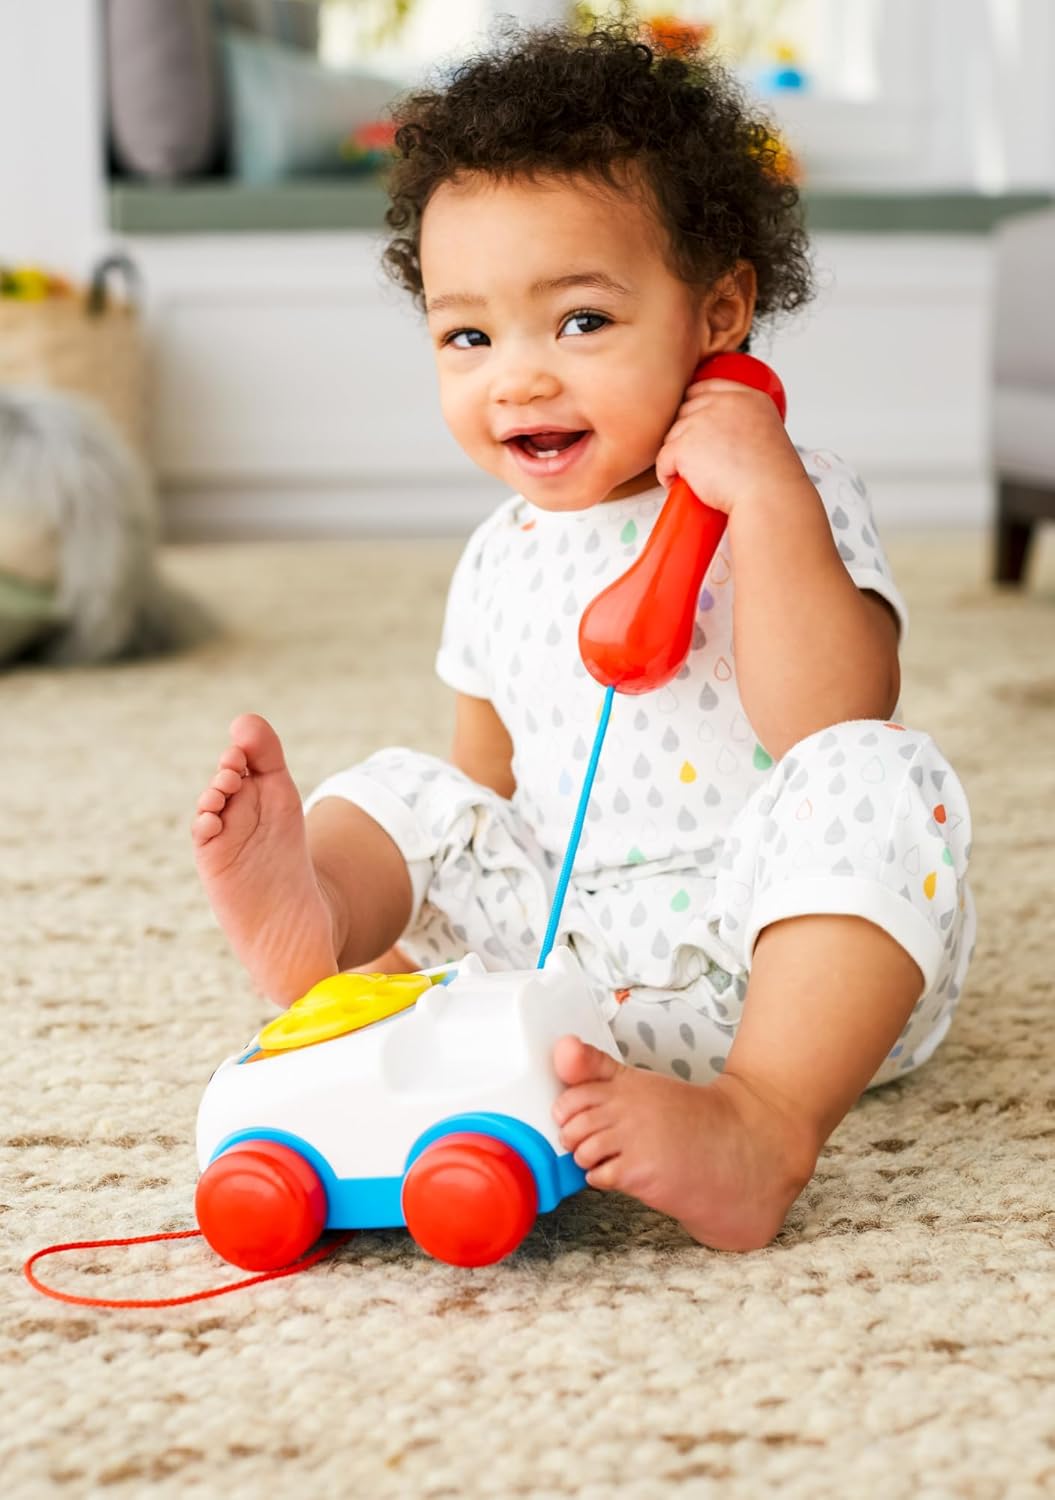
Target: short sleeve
{"type": "Point", "coordinates": [845, 499]}
{"type": "Point", "coordinates": [461, 661]}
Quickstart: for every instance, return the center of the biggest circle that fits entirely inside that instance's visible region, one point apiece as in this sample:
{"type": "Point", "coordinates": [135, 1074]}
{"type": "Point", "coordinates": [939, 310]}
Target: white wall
{"type": "Point", "coordinates": [950, 94]}
{"type": "Point", "coordinates": [976, 78]}
{"type": "Point", "coordinates": [295, 387]}
{"type": "Point", "coordinates": [992, 64]}
{"type": "Point", "coordinates": [51, 161]}
{"type": "Point", "coordinates": [242, 445]}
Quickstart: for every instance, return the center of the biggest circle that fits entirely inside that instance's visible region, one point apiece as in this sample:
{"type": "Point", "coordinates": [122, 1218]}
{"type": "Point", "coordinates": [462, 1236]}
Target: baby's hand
{"type": "Point", "coordinates": [729, 444]}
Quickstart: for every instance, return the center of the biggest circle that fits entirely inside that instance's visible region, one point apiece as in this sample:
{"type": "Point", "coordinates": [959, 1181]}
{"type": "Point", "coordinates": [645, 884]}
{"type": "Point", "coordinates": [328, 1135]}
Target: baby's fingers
{"type": "Point", "coordinates": [666, 466]}
{"type": "Point", "coordinates": [714, 387]}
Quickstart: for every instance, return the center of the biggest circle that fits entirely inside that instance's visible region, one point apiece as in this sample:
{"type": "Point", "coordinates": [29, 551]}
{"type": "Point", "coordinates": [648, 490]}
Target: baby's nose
{"type": "Point", "coordinates": [523, 380]}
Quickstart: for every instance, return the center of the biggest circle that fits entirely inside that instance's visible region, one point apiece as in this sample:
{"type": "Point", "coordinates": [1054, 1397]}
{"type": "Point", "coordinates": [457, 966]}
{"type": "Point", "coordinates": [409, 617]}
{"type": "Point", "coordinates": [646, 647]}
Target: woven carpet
{"type": "Point", "coordinates": [896, 1340]}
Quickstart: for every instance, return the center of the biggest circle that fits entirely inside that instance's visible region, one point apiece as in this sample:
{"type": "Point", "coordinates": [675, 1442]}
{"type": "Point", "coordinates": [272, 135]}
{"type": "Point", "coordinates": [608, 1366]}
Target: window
{"type": "Point", "coordinates": [370, 31]}
{"type": "Point", "coordinates": [900, 94]}
{"type": "Point", "coordinates": [905, 94]}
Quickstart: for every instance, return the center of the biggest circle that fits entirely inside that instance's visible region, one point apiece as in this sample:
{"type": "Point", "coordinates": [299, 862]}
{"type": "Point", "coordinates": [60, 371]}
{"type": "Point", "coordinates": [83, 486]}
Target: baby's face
{"type": "Point", "coordinates": [551, 309]}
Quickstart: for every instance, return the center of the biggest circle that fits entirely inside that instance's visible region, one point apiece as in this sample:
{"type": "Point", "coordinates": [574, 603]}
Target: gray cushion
{"type": "Point", "coordinates": [163, 86]}
{"type": "Point", "coordinates": [289, 113]}
{"type": "Point", "coordinates": [1024, 332]}
{"type": "Point", "coordinates": [1023, 419]}
{"type": "Point", "coordinates": [1024, 434]}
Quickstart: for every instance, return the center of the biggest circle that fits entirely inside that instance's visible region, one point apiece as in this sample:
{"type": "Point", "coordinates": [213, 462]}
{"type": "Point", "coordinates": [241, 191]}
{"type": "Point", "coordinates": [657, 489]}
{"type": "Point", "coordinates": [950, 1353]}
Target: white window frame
{"type": "Point", "coordinates": [962, 100]}
{"type": "Point", "coordinates": [870, 129]}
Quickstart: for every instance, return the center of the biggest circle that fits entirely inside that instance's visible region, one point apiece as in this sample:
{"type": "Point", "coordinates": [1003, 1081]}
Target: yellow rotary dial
{"type": "Point", "coordinates": [342, 1003]}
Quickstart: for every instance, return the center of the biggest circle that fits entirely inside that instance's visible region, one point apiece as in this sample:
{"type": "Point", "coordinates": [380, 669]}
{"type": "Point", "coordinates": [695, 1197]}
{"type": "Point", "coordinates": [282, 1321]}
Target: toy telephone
{"type": "Point", "coordinates": [638, 631]}
{"type": "Point", "coordinates": [636, 634]}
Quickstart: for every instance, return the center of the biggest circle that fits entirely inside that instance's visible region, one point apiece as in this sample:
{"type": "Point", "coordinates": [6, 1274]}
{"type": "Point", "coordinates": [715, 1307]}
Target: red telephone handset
{"type": "Point", "coordinates": [637, 632]}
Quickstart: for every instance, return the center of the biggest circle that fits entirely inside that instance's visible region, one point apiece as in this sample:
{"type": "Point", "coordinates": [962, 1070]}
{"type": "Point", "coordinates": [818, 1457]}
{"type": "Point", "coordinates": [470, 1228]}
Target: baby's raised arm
{"type": "Point", "coordinates": [812, 648]}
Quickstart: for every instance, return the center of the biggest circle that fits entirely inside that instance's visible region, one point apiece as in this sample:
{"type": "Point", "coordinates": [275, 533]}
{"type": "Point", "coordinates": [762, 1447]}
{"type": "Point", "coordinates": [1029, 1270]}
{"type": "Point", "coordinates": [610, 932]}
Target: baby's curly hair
{"type": "Point", "coordinates": [553, 101]}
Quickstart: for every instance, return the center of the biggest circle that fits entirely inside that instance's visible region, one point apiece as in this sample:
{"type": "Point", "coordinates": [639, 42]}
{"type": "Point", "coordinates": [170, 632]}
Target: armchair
{"type": "Point", "coordinates": [1024, 387]}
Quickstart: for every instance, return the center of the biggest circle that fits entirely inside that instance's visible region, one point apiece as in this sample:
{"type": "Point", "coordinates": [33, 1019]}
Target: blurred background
{"type": "Point", "coordinates": [229, 152]}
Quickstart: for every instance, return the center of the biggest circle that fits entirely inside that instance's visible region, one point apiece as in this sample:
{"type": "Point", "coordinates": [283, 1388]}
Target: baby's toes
{"type": "Point", "coordinates": [577, 1063]}
{"type": "Point", "coordinates": [606, 1176]}
{"type": "Point", "coordinates": [205, 827]}
{"type": "Point", "coordinates": [596, 1149]}
{"type": "Point", "coordinates": [587, 1096]}
{"type": "Point", "coordinates": [212, 800]}
{"type": "Point", "coordinates": [226, 781]}
{"type": "Point", "coordinates": [233, 759]}
{"type": "Point", "coordinates": [580, 1127]}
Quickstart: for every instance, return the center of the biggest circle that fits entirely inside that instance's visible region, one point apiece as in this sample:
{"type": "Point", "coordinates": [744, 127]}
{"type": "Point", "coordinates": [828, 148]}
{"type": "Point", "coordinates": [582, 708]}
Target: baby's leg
{"type": "Point", "coordinates": [366, 883]}
{"type": "Point", "coordinates": [392, 961]}
{"type": "Point", "coordinates": [800, 1045]}
{"type": "Point", "coordinates": [294, 900]}
{"type": "Point", "coordinates": [843, 893]}
{"type": "Point", "coordinates": [475, 879]}
{"type": "Point", "coordinates": [729, 1158]}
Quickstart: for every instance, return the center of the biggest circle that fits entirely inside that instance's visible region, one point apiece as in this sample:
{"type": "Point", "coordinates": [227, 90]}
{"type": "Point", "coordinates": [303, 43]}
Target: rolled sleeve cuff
{"type": "Point", "coordinates": [461, 678]}
{"type": "Point", "coordinates": [850, 896]}
{"type": "Point", "coordinates": [393, 816]}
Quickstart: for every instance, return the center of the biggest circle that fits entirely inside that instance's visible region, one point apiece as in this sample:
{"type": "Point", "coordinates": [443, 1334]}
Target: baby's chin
{"type": "Point", "coordinates": [587, 497]}
{"type": "Point", "coordinates": [542, 499]}
{"type": "Point", "coordinates": [646, 480]}
{"type": "Point", "coordinates": [562, 507]}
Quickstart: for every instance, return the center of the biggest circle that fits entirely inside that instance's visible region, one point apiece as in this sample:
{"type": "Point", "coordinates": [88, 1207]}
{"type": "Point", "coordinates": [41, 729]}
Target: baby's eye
{"type": "Point", "coordinates": [599, 319]}
{"type": "Point", "coordinates": [464, 333]}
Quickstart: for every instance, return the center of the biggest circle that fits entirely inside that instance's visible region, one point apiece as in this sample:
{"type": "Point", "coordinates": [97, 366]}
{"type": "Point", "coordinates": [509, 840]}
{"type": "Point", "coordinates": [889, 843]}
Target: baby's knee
{"type": "Point", "coordinates": [866, 818]}
{"type": "Point", "coordinates": [879, 788]}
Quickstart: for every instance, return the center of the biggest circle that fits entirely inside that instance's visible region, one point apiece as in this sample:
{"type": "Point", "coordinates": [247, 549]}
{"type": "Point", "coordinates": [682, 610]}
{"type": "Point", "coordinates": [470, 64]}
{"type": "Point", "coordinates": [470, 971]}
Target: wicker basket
{"type": "Point", "coordinates": [92, 346]}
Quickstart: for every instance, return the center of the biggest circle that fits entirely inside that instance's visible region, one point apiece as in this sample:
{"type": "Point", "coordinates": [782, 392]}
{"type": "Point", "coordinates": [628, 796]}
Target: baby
{"type": "Point", "coordinates": [770, 895]}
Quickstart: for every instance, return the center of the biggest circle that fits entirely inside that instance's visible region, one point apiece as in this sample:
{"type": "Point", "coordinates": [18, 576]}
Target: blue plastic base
{"type": "Point", "coordinates": [376, 1202]}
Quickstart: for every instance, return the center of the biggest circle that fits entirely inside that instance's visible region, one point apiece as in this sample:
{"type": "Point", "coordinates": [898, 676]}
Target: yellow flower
{"type": "Point", "coordinates": [782, 164]}
{"type": "Point", "coordinates": [28, 284]}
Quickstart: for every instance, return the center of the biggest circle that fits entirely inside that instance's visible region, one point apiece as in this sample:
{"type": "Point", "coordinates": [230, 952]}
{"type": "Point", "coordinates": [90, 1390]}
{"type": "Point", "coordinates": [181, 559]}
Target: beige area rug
{"type": "Point", "coordinates": [897, 1340]}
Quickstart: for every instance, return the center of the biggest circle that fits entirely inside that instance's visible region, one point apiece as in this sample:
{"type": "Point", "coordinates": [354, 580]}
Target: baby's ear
{"type": "Point", "coordinates": [729, 308]}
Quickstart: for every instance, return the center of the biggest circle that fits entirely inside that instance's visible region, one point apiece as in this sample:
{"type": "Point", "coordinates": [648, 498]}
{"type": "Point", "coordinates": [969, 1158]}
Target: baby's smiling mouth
{"type": "Point", "coordinates": [545, 444]}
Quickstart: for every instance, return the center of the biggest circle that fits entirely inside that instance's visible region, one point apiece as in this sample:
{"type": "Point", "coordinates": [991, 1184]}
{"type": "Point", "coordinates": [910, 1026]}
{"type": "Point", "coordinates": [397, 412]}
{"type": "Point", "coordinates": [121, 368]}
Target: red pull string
{"type": "Point", "coordinates": [143, 1239]}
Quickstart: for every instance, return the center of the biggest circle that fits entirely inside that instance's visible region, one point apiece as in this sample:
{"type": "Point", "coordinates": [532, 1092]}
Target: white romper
{"type": "Point", "coordinates": [694, 838]}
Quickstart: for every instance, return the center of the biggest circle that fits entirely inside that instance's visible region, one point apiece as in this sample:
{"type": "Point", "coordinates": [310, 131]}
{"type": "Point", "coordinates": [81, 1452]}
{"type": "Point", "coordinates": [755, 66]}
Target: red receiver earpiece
{"type": "Point", "coordinates": [637, 632]}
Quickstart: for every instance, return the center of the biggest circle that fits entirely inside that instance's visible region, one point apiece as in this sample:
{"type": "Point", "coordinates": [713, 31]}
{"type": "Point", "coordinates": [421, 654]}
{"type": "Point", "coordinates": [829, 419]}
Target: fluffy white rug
{"type": "Point", "coordinates": [895, 1341]}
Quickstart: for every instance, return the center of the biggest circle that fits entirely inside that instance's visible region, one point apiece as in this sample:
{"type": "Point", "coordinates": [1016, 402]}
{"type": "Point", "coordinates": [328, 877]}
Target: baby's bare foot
{"type": "Point", "coordinates": [716, 1157]}
{"type": "Point", "coordinates": [252, 855]}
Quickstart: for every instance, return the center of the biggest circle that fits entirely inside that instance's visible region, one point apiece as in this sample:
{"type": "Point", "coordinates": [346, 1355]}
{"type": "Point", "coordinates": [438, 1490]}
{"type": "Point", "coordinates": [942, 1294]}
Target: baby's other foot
{"type": "Point", "coordinates": [252, 856]}
{"type": "Point", "coordinates": [717, 1157]}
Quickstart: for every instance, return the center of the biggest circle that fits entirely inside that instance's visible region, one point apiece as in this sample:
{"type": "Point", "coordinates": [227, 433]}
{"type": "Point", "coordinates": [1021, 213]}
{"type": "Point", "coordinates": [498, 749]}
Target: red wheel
{"type": "Point", "coordinates": [469, 1199]}
{"type": "Point", "coordinates": [260, 1205]}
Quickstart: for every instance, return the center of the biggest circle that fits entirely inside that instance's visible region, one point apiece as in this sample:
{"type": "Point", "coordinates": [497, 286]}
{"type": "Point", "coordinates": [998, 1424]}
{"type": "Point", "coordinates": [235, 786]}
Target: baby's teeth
{"type": "Point", "coordinates": [546, 452]}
